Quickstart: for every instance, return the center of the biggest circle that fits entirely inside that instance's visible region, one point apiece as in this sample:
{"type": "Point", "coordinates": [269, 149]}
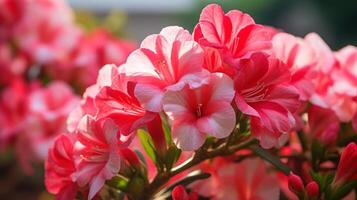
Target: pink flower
{"type": "Point", "coordinates": [59, 168]}
{"type": "Point", "coordinates": [324, 125]}
{"type": "Point", "coordinates": [48, 108]}
{"type": "Point", "coordinates": [92, 52]}
{"type": "Point", "coordinates": [10, 13]}
{"type": "Point", "coordinates": [179, 193]}
{"type": "Point", "coordinates": [247, 180]}
{"type": "Point", "coordinates": [46, 31]}
{"type": "Point", "coordinates": [13, 110]}
{"type": "Point", "coordinates": [344, 88]}
{"type": "Point", "coordinates": [234, 33]}
{"type": "Point", "coordinates": [264, 93]}
{"type": "Point", "coordinates": [347, 166]}
{"type": "Point", "coordinates": [97, 153]}
{"type": "Point", "coordinates": [304, 57]}
{"type": "Point", "coordinates": [86, 107]}
{"type": "Point", "coordinates": [53, 104]}
{"type": "Point", "coordinates": [12, 65]}
{"type": "Point", "coordinates": [213, 62]}
{"type": "Point", "coordinates": [196, 113]}
{"type": "Point", "coordinates": [165, 61]}
{"type": "Point", "coordinates": [115, 100]}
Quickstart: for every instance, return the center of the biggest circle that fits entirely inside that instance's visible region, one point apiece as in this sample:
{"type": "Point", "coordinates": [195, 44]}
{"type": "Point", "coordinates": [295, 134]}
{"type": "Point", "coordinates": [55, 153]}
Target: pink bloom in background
{"type": "Point", "coordinates": [324, 125]}
{"type": "Point", "coordinates": [347, 166]}
{"type": "Point", "coordinates": [196, 113]}
{"type": "Point", "coordinates": [345, 84]}
{"type": "Point", "coordinates": [264, 92]}
{"type": "Point", "coordinates": [179, 193]}
{"type": "Point", "coordinates": [235, 34]}
{"type": "Point", "coordinates": [11, 12]}
{"type": "Point", "coordinates": [300, 57]}
{"type": "Point", "coordinates": [46, 31]}
{"type": "Point", "coordinates": [49, 108]}
{"type": "Point", "coordinates": [97, 153]}
{"type": "Point", "coordinates": [165, 61]}
{"type": "Point", "coordinates": [59, 168]}
{"type": "Point", "coordinates": [13, 111]}
{"type": "Point", "coordinates": [92, 52]}
{"type": "Point", "coordinates": [247, 180]}
{"type": "Point", "coordinates": [12, 65]}
{"type": "Point", "coordinates": [115, 100]}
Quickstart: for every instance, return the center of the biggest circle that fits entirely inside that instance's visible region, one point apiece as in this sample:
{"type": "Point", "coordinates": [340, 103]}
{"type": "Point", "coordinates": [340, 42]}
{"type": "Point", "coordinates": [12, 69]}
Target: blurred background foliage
{"type": "Point", "coordinates": [334, 20]}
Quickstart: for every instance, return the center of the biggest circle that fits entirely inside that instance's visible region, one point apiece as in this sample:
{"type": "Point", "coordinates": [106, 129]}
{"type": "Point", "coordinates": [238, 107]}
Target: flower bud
{"type": "Point", "coordinates": [179, 193]}
{"type": "Point", "coordinates": [295, 183]}
{"type": "Point", "coordinates": [347, 166]}
{"type": "Point", "coordinates": [131, 157]}
{"type": "Point", "coordinates": [312, 189]}
{"type": "Point", "coordinates": [157, 134]}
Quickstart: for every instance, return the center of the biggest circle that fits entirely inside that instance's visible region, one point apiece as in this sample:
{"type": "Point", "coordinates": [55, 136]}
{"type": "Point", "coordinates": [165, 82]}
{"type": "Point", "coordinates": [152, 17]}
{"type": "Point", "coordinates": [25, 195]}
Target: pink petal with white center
{"type": "Point", "coordinates": [222, 87]}
{"type": "Point", "coordinates": [149, 96]}
{"type": "Point", "coordinates": [176, 106]}
{"type": "Point", "coordinates": [220, 123]}
{"type": "Point", "coordinates": [187, 137]}
{"type": "Point", "coordinates": [193, 80]}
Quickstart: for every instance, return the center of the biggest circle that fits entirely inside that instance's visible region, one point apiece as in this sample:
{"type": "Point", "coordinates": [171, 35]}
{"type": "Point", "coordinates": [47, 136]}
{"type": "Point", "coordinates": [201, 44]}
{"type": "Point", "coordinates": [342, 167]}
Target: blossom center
{"type": "Point", "coordinates": [199, 109]}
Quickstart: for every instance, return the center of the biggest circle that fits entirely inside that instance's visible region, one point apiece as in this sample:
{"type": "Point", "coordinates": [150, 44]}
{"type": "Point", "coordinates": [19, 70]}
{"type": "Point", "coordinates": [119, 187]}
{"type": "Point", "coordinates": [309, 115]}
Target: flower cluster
{"type": "Point", "coordinates": [44, 58]}
{"type": "Point", "coordinates": [230, 91]}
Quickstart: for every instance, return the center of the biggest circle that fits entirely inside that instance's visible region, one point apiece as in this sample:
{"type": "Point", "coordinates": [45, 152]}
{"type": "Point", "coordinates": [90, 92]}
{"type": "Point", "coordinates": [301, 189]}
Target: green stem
{"type": "Point", "coordinates": [200, 156]}
{"type": "Point", "coordinates": [275, 161]}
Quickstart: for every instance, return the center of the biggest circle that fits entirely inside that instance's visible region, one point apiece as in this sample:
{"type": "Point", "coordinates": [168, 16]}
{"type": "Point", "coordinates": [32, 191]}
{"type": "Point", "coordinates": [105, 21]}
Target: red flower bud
{"type": "Point", "coordinates": [295, 183]}
{"type": "Point", "coordinates": [347, 167]}
{"type": "Point", "coordinates": [157, 134]}
{"type": "Point", "coordinates": [312, 189]}
{"type": "Point", "coordinates": [179, 193]}
{"type": "Point", "coordinates": [131, 157]}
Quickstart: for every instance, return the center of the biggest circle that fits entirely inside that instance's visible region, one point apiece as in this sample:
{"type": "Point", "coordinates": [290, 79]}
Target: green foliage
{"type": "Point", "coordinates": [147, 143]}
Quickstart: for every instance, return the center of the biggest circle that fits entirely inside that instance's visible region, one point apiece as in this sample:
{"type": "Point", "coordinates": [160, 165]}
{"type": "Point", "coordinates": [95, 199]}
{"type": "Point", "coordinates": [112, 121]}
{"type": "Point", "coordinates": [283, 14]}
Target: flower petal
{"type": "Point", "coordinates": [220, 123]}
{"type": "Point", "coordinates": [187, 137]}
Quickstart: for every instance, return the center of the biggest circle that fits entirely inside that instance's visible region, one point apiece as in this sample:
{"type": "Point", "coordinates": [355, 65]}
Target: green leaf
{"type": "Point", "coordinates": [167, 130]}
{"type": "Point", "coordinates": [343, 190]}
{"type": "Point", "coordinates": [118, 182]}
{"type": "Point", "coordinates": [147, 143]}
{"type": "Point", "coordinates": [323, 180]}
{"type": "Point", "coordinates": [317, 153]}
{"type": "Point", "coordinates": [271, 159]}
{"type": "Point", "coordinates": [172, 155]}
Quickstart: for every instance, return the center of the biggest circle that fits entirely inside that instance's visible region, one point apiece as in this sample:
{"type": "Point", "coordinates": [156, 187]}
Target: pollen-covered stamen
{"type": "Point", "coordinates": [199, 110]}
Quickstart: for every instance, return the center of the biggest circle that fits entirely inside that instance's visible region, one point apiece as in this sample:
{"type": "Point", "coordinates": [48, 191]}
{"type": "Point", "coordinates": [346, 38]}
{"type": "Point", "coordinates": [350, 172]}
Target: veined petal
{"type": "Point", "coordinates": [149, 96]}
{"type": "Point", "coordinates": [187, 137]}
{"type": "Point", "coordinates": [219, 120]}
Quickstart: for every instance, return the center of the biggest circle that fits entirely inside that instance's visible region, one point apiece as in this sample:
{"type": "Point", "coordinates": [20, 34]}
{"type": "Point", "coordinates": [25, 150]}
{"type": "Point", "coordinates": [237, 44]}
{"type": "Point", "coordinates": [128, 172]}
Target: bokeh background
{"type": "Point", "coordinates": [334, 20]}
